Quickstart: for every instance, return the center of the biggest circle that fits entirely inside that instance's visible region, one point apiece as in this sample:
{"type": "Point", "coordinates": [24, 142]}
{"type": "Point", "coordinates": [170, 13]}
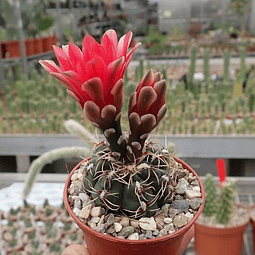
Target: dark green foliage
{"type": "Point", "coordinates": [137, 189]}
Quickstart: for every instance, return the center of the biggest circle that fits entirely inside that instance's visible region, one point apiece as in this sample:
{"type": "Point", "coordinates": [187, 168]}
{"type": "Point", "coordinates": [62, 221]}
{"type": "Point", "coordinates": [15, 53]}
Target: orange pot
{"type": "Point", "coordinates": [100, 244]}
{"type": "Point", "coordinates": [253, 229]}
{"type": "Point", "coordinates": [38, 45]}
{"type": "Point", "coordinates": [47, 43]}
{"type": "Point", "coordinates": [222, 241]}
{"type": "Point", "coordinates": [30, 47]}
{"type": "Point", "coordinates": [12, 49]}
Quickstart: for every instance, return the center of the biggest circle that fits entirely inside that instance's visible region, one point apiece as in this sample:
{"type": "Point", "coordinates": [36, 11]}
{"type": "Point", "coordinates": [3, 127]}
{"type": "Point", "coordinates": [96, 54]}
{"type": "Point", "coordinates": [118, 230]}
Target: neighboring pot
{"type": "Point", "coordinates": [12, 49]}
{"type": "Point", "coordinates": [100, 244]}
{"type": "Point", "coordinates": [47, 43]}
{"type": "Point", "coordinates": [252, 217]}
{"type": "Point", "coordinates": [38, 45]}
{"type": "Point", "coordinates": [212, 240]}
{"type": "Point", "coordinates": [30, 47]}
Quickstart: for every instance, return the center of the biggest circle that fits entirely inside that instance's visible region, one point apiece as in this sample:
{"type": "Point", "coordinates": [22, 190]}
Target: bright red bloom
{"type": "Point", "coordinates": [149, 97]}
{"type": "Point", "coordinates": [221, 168]}
{"type": "Point", "coordinates": [95, 73]}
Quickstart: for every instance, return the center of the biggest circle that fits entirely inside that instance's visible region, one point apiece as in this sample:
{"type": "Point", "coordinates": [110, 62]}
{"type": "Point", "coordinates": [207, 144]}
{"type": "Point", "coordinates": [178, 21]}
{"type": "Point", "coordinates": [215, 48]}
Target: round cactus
{"type": "Point", "coordinates": [137, 189]}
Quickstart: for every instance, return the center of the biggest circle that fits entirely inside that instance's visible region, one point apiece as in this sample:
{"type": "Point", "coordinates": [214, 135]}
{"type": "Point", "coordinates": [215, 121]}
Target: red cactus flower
{"type": "Point", "coordinates": [146, 109]}
{"type": "Point", "coordinates": [149, 98]}
{"type": "Point", "coordinates": [95, 73]}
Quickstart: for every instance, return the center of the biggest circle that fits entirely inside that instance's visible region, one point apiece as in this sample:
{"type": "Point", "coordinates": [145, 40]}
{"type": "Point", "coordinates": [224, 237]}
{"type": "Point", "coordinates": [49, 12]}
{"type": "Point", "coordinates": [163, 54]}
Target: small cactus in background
{"type": "Point", "coordinates": [210, 190]}
{"type": "Point", "coordinates": [225, 203]}
{"type": "Point", "coordinates": [219, 203]}
{"type": "Point", "coordinates": [192, 68]}
{"type": "Point", "coordinates": [226, 66]}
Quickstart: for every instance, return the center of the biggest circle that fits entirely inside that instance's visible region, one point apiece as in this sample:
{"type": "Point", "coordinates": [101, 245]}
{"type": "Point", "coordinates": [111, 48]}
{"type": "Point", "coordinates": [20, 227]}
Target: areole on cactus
{"type": "Point", "coordinates": [125, 173]}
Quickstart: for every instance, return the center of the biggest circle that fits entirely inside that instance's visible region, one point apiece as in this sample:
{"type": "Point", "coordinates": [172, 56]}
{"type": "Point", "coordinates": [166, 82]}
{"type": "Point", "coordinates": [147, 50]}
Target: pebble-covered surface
{"type": "Point", "coordinates": [169, 219]}
{"type": "Point", "coordinates": [239, 217]}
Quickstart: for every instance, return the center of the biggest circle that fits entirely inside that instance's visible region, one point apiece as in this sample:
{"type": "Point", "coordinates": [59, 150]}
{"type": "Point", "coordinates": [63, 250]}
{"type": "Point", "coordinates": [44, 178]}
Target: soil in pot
{"type": "Point", "coordinates": [213, 238]}
{"type": "Point", "coordinates": [160, 234]}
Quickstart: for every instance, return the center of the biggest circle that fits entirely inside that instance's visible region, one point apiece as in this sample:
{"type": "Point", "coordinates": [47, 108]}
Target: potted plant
{"type": "Point", "coordinates": [220, 228]}
{"type": "Point", "coordinates": [252, 217]}
{"type": "Point", "coordinates": [131, 195]}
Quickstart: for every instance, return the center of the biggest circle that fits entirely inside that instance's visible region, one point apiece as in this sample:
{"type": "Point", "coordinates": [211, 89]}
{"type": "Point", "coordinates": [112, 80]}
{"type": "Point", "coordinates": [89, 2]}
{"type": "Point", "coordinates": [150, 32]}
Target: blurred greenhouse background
{"type": "Point", "coordinates": [205, 50]}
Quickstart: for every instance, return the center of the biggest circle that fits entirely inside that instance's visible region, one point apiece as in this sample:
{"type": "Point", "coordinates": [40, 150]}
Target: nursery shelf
{"type": "Point", "coordinates": [187, 146]}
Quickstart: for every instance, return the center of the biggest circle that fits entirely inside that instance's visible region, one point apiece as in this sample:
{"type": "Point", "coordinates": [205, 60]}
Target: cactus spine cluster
{"type": "Point", "coordinates": [219, 205]}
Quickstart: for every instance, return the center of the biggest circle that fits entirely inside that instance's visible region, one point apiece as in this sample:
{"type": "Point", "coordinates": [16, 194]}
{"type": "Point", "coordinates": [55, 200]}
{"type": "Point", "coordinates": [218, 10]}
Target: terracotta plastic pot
{"type": "Point", "coordinates": [253, 229]}
{"type": "Point", "coordinates": [12, 49]}
{"type": "Point", "coordinates": [226, 241]}
{"type": "Point", "coordinates": [100, 244]}
{"type": "Point", "coordinates": [30, 47]}
{"type": "Point", "coordinates": [38, 45]}
{"type": "Point", "coordinates": [3, 50]}
{"type": "Point", "coordinates": [47, 43]}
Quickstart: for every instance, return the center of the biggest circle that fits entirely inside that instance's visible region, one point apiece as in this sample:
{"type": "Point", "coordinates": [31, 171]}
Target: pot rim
{"type": "Point", "coordinates": [180, 231]}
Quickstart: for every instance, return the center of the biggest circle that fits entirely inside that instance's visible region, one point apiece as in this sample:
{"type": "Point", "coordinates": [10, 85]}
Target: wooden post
{"type": "Point", "coordinates": [1, 67]}
{"type": "Point", "coordinates": [59, 23]}
{"type": "Point", "coordinates": [252, 17]}
{"type": "Point", "coordinates": [21, 38]}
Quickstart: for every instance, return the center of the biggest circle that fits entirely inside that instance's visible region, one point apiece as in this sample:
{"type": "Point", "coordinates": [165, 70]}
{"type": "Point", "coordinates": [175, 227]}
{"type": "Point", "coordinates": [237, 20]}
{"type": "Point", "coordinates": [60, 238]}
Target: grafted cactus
{"type": "Point", "coordinates": [126, 172]}
{"type": "Point", "coordinates": [138, 189]}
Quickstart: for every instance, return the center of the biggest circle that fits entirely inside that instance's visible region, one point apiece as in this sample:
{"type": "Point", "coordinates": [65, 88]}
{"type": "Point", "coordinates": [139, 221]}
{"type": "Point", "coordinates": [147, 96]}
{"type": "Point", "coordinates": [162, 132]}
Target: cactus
{"type": "Point", "coordinates": [206, 66]}
{"type": "Point", "coordinates": [210, 199]}
{"type": "Point", "coordinates": [192, 67]}
{"type": "Point", "coordinates": [226, 66]}
{"type": "Point", "coordinates": [225, 203]}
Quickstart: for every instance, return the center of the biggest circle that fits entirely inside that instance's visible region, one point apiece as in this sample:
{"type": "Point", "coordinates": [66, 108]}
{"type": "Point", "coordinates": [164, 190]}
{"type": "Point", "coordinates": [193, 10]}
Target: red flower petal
{"type": "Point", "coordinates": [75, 55]}
{"type": "Point", "coordinates": [94, 89]}
{"type": "Point", "coordinates": [118, 94]}
{"type": "Point", "coordinates": [63, 60]}
{"type": "Point", "coordinates": [145, 99]}
{"type": "Point", "coordinates": [124, 44]}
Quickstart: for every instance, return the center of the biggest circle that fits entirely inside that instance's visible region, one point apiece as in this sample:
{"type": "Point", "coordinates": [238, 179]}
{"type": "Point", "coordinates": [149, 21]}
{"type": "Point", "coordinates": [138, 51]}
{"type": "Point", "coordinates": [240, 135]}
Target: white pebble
{"type": "Point", "coordinates": [83, 197]}
{"type": "Point", "coordinates": [189, 215]}
{"type": "Point", "coordinates": [168, 220]}
{"type": "Point", "coordinates": [133, 236]}
{"type": "Point", "coordinates": [85, 211]}
{"type": "Point", "coordinates": [76, 211]}
{"type": "Point", "coordinates": [196, 188]}
{"type": "Point", "coordinates": [117, 227]}
{"type": "Point", "coordinates": [192, 193]}
{"type": "Point", "coordinates": [148, 224]}
{"type": "Point", "coordinates": [96, 211]}
{"type": "Point", "coordinates": [95, 219]}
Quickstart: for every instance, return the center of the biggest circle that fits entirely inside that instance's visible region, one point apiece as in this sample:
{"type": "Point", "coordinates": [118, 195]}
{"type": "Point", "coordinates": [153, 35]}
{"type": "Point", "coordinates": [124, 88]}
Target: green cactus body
{"type": "Point", "coordinates": [136, 189]}
{"type": "Point", "coordinates": [210, 190]}
{"type": "Point", "coordinates": [225, 203]}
